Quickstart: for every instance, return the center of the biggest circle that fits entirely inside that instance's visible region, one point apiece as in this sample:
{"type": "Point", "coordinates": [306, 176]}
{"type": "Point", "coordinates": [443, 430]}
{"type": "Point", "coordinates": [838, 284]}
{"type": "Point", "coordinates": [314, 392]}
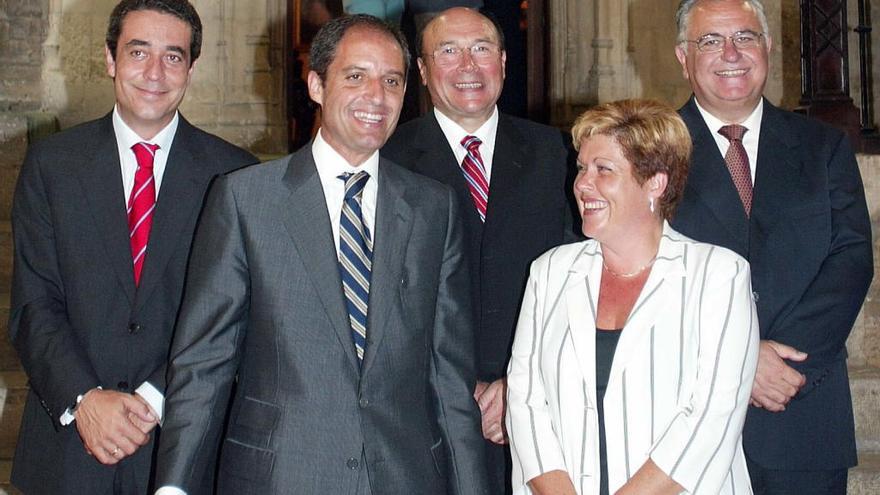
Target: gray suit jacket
{"type": "Point", "coordinates": [78, 320]}
{"type": "Point", "coordinates": [264, 303]}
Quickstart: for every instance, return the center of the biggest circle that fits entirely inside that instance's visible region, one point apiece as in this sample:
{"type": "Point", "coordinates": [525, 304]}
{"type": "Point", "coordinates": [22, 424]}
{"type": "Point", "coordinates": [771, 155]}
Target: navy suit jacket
{"type": "Point", "coordinates": [808, 240]}
{"type": "Point", "coordinates": [77, 319]}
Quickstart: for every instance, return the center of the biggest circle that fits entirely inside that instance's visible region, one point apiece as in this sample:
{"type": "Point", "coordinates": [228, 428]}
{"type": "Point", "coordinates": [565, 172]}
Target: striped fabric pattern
{"type": "Point", "coordinates": [475, 174]}
{"type": "Point", "coordinates": [355, 258]}
{"type": "Point", "coordinates": [141, 204]}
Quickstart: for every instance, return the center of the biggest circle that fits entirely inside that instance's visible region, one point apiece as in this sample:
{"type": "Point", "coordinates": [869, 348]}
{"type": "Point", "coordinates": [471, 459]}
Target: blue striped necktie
{"type": "Point", "coordinates": [355, 258]}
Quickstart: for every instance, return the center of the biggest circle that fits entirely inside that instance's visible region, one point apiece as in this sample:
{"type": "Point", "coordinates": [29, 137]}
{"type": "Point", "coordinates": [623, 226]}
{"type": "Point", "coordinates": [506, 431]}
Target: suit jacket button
{"type": "Point", "coordinates": [123, 386]}
{"type": "Point", "coordinates": [352, 463]}
{"type": "Point", "coordinates": [364, 403]}
{"type": "Point", "coordinates": [134, 328]}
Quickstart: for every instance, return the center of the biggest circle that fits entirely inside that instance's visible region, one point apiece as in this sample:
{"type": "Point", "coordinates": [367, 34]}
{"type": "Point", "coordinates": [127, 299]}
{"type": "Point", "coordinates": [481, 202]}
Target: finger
{"type": "Point", "coordinates": [787, 351]}
{"type": "Point", "coordinates": [139, 407]}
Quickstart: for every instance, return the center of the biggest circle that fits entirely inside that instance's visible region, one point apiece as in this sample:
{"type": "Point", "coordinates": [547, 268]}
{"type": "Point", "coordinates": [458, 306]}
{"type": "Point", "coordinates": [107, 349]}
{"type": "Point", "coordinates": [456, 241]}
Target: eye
{"type": "Point", "coordinates": [393, 81]}
{"type": "Point", "coordinates": [710, 42]}
{"type": "Point", "coordinates": [137, 53]}
{"type": "Point", "coordinates": [356, 76]}
{"type": "Point", "coordinates": [174, 58]}
{"type": "Point", "coordinates": [480, 49]}
{"type": "Point", "coordinates": [448, 50]}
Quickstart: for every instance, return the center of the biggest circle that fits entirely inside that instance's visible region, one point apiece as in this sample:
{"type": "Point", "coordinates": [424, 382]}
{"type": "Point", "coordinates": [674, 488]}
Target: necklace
{"type": "Point", "coordinates": [632, 273]}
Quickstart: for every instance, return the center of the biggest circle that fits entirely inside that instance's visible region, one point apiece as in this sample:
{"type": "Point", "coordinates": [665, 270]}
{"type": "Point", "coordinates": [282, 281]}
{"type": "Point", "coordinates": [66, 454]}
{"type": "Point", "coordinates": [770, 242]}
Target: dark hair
{"type": "Point", "coordinates": [483, 12]}
{"type": "Point", "coordinates": [327, 40]}
{"type": "Point", "coordinates": [181, 9]}
{"type": "Point", "coordinates": [651, 135]}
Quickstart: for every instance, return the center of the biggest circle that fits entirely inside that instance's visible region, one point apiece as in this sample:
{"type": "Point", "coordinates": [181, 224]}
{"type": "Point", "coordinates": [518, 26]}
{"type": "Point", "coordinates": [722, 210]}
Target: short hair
{"type": "Point", "coordinates": [683, 14]}
{"type": "Point", "coordinates": [492, 18]}
{"type": "Point", "coordinates": [181, 9]}
{"type": "Point", "coordinates": [326, 41]}
{"type": "Point", "coordinates": [652, 136]}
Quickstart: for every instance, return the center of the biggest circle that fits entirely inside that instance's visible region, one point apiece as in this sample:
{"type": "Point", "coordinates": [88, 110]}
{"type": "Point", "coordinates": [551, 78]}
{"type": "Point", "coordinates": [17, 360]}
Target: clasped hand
{"type": "Point", "coordinates": [113, 425]}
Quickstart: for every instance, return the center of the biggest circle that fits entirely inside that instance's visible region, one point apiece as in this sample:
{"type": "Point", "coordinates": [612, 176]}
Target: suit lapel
{"type": "Point", "coordinates": [308, 225]}
{"type": "Point", "coordinates": [710, 181]}
{"type": "Point", "coordinates": [778, 173]}
{"type": "Point", "coordinates": [177, 202]}
{"type": "Point", "coordinates": [101, 180]}
{"type": "Point", "coordinates": [392, 232]}
{"type": "Point", "coordinates": [581, 303]}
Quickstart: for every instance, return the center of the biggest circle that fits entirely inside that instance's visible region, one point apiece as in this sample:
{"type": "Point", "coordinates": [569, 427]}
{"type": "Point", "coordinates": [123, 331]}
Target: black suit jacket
{"type": "Point", "coordinates": [530, 211]}
{"type": "Point", "coordinates": [808, 240]}
{"type": "Point", "coordinates": [77, 319]}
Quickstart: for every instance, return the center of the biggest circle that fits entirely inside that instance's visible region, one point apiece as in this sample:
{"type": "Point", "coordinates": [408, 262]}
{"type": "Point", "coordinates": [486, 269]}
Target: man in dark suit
{"type": "Point", "coordinates": [804, 228]}
{"type": "Point", "coordinates": [96, 289]}
{"type": "Point", "coordinates": [332, 283]}
{"type": "Point", "coordinates": [513, 209]}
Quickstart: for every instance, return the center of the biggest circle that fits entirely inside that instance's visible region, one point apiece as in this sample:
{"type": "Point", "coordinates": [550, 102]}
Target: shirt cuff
{"type": "Point", "coordinates": [154, 398]}
{"type": "Point", "coordinates": [67, 418]}
{"type": "Point", "coordinates": [170, 490]}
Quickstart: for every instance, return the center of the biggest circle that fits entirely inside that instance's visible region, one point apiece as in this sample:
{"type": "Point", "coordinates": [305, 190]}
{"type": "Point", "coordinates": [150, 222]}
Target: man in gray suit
{"type": "Point", "coordinates": [332, 283]}
{"type": "Point", "coordinates": [103, 217]}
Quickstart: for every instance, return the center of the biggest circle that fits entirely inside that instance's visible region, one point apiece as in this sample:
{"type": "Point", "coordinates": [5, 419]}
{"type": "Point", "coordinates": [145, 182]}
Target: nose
{"type": "Point", "coordinates": [373, 90]}
{"type": "Point", "coordinates": [730, 52]}
{"type": "Point", "coordinates": [466, 61]}
{"type": "Point", "coordinates": [155, 70]}
{"type": "Point", "coordinates": [585, 180]}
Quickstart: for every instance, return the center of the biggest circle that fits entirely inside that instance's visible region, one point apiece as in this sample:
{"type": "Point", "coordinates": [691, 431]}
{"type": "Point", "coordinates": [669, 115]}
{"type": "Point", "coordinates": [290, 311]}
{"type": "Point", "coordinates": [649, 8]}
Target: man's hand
{"type": "Point", "coordinates": [775, 381]}
{"type": "Point", "coordinates": [492, 399]}
{"type": "Point", "coordinates": [102, 420]}
{"type": "Point", "coordinates": [144, 426]}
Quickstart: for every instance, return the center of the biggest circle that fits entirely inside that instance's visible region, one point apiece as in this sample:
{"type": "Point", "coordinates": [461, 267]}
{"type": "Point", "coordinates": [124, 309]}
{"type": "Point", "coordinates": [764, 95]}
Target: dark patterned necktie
{"type": "Point", "coordinates": [738, 164]}
{"type": "Point", "coordinates": [141, 204]}
{"type": "Point", "coordinates": [475, 174]}
{"type": "Point", "coordinates": [355, 258]}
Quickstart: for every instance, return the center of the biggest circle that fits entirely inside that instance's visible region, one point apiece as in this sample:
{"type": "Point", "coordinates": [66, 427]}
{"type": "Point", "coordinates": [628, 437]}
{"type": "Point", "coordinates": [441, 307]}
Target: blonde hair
{"type": "Point", "coordinates": [651, 136]}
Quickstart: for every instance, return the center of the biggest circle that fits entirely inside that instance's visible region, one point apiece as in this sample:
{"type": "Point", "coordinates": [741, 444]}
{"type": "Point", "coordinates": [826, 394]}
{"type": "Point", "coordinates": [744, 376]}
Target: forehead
{"type": "Point", "coordinates": [723, 16]}
{"type": "Point", "coordinates": [460, 27]}
{"type": "Point", "coordinates": [361, 45]}
{"type": "Point", "coordinates": [155, 26]}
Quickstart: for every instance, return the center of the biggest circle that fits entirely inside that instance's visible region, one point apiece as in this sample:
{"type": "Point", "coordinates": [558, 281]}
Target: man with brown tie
{"type": "Point", "coordinates": [784, 192]}
{"type": "Point", "coordinates": [510, 177]}
{"type": "Point", "coordinates": [103, 217]}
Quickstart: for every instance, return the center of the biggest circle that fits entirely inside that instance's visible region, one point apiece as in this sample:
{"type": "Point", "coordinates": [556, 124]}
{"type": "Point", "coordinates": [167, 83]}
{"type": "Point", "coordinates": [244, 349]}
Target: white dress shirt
{"type": "Point", "coordinates": [455, 133]}
{"type": "Point", "coordinates": [750, 138]}
{"type": "Point", "coordinates": [126, 137]}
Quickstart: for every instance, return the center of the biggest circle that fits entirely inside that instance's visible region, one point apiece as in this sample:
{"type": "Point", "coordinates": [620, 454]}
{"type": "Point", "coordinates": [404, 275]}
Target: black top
{"type": "Point", "coordinates": [606, 343]}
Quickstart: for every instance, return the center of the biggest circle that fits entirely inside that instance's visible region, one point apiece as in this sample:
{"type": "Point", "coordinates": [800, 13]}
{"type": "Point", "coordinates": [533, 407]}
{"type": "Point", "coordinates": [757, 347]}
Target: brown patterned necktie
{"type": "Point", "coordinates": [738, 164]}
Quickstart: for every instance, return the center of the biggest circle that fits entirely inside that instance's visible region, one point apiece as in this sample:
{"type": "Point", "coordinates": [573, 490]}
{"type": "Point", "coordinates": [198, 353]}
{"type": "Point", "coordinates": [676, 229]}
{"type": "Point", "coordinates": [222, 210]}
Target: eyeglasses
{"type": "Point", "coordinates": [742, 40]}
{"type": "Point", "coordinates": [481, 53]}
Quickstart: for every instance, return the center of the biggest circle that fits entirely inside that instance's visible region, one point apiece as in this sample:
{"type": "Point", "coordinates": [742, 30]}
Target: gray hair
{"type": "Point", "coordinates": [683, 14]}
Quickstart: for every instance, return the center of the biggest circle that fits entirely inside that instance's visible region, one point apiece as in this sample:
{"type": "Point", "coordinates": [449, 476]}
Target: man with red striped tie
{"type": "Point", "coordinates": [103, 217]}
{"type": "Point", "coordinates": [510, 177]}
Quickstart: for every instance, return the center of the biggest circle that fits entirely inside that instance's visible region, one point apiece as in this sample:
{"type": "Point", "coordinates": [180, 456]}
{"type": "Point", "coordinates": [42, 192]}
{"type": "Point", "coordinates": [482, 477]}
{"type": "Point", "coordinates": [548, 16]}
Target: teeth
{"type": "Point", "coordinates": [731, 73]}
{"type": "Point", "coordinates": [369, 117]}
{"type": "Point", "coordinates": [473, 85]}
{"type": "Point", "coordinates": [595, 205]}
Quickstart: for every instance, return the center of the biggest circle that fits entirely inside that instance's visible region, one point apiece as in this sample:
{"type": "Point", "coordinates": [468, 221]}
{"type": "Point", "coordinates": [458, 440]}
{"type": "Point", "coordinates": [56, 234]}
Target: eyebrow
{"type": "Point", "coordinates": [478, 40]}
{"type": "Point", "coordinates": [173, 48]}
{"type": "Point", "coordinates": [352, 67]}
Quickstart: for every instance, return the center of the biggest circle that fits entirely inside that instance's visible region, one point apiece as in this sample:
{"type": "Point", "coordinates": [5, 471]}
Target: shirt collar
{"type": "Point", "coordinates": [127, 138]}
{"type": "Point", "coordinates": [455, 133]}
{"type": "Point", "coordinates": [331, 164]}
{"type": "Point", "coordinates": [752, 122]}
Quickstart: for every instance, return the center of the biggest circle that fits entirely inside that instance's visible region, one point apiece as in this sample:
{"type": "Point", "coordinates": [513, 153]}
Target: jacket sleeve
{"type": "Point", "coordinates": [453, 366]}
{"type": "Point", "coordinates": [534, 446]}
{"type": "Point", "coordinates": [57, 365]}
{"type": "Point", "coordinates": [697, 446]}
{"type": "Point", "coordinates": [206, 348]}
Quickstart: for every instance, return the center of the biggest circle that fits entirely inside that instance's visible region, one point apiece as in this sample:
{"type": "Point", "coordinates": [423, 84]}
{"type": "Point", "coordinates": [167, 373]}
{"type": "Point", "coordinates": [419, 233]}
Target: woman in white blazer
{"type": "Point", "coordinates": [662, 326]}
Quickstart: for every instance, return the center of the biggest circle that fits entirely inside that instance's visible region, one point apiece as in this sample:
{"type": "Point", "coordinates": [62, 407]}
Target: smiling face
{"type": "Point", "coordinates": [362, 93]}
{"type": "Point", "coordinates": [612, 204]}
{"type": "Point", "coordinates": [466, 91]}
{"type": "Point", "coordinates": [151, 69]}
{"type": "Point", "coordinates": [728, 83]}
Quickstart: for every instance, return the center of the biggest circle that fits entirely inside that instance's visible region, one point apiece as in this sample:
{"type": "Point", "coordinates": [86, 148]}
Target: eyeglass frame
{"type": "Point", "coordinates": [731, 38]}
{"type": "Point", "coordinates": [496, 50]}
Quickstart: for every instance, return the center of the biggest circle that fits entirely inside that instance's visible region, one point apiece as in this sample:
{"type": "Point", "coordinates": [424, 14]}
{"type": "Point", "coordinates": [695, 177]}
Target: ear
{"type": "Point", "coordinates": [769, 42]}
{"type": "Point", "coordinates": [110, 61]}
{"type": "Point", "coordinates": [681, 55]}
{"type": "Point", "coordinates": [657, 184]}
{"type": "Point", "coordinates": [503, 64]}
{"type": "Point", "coordinates": [316, 88]}
{"type": "Point", "coordinates": [423, 71]}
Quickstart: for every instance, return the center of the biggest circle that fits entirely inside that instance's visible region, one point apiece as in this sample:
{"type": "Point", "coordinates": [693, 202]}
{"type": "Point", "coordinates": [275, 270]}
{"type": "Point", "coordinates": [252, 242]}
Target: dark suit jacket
{"type": "Point", "coordinates": [264, 302]}
{"type": "Point", "coordinates": [530, 211]}
{"type": "Point", "coordinates": [809, 244]}
{"type": "Point", "coordinates": [77, 319]}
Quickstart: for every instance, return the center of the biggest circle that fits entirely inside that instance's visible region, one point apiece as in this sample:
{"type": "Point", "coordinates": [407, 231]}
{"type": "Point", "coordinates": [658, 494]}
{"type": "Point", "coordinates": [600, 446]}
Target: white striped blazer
{"type": "Point", "coordinates": [680, 380]}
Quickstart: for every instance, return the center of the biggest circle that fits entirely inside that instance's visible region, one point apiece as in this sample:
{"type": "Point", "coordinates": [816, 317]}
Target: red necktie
{"type": "Point", "coordinates": [475, 174]}
{"type": "Point", "coordinates": [738, 164]}
{"type": "Point", "coordinates": [141, 204]}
